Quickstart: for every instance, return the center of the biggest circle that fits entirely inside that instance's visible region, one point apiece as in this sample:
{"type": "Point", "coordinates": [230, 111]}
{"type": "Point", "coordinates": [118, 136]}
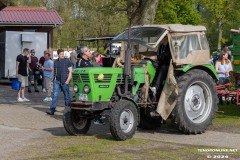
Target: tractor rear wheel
{"type": "Point", "coordinates": [123, 120]}
{"type": "Point", "coordinates": [197, 102]}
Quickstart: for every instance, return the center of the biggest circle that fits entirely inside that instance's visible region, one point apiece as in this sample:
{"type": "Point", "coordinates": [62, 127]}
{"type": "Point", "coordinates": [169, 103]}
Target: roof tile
{"type": "Point", "coordinates": [30, 15]}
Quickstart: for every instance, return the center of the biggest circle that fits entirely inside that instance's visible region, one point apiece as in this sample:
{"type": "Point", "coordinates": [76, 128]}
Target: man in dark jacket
{"type": "Point", "coordinates": [62, 76]}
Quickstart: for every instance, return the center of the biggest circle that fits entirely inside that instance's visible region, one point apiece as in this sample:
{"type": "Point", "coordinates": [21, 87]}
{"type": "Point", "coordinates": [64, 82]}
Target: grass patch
{"type": "Point", "coordinates": [230, 115]}
{"type": "Point", "coordinates": [227, 119]}
{"type": "Point", "coordinates": [105, 148]}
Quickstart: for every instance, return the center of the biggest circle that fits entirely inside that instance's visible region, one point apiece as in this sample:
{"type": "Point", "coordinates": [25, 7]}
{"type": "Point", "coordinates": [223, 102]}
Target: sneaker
{"type": "Point", "coordinates": [46, 99]}
{"type": "Point", "coordinates": [50, 99]}
{"type": "Point", "coordinates": [50, 112]}
{"type": "Point", "coordinates": [44, 90]}
{"type": "Point", "coordinates": [99, 122]}
{"type": "Point", "coordinates": [103, 117]}
{"type": "Point", "coordinates": [25, 99]}
{"type": "Point", "coordinates": [20, 100]}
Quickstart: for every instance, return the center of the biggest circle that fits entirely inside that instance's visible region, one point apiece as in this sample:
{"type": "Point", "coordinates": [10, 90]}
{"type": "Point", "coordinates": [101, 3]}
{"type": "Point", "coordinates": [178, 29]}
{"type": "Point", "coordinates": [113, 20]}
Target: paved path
{"type": "Point", "coordinates": [23, 123]}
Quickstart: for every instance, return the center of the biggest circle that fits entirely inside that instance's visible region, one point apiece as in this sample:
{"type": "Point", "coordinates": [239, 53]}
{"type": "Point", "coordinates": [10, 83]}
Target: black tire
{"type": "Point", "coordinates": [123, 120]}
{"type": "Point", "coordinates": [74, 124]}
{"type": "Point", "coordinates": [147, 122]}
{"type": "Point", "coordinates": [197, 102]}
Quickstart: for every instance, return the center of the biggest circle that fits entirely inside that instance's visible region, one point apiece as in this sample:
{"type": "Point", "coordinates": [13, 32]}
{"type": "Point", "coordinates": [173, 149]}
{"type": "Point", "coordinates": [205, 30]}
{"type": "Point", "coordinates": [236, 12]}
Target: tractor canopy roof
{"type": "Point", "coordinates": [150, 35]}
{"type": "Point", "coordinates": [188, 43]}
{"type": "Point", "coordinates": [177, 27]}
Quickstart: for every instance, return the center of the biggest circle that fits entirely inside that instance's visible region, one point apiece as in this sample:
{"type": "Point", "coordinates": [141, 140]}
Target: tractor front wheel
{"type": "Point", "coordinates": [74, 124]}
{"type": "Point", "coordinates": [123, 120]}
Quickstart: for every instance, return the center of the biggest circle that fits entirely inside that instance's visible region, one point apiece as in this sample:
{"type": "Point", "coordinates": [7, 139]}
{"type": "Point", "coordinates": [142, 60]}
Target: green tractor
{"type": "Point", "coordinates": [144, 92]}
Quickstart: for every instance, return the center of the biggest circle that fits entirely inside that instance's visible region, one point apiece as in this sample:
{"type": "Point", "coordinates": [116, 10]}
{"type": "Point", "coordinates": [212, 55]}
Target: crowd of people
{"type": "Point", "coordinates": [56, 75]}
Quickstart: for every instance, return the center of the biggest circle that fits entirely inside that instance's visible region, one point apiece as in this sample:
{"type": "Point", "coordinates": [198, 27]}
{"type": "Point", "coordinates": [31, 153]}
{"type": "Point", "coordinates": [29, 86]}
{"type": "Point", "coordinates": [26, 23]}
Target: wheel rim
{"type": "Point", "coordinates": [78, 122]}
{"type": "Point", "coordinates": [126, 120]}
{"type": "Point", "coordinates": [198, 102]}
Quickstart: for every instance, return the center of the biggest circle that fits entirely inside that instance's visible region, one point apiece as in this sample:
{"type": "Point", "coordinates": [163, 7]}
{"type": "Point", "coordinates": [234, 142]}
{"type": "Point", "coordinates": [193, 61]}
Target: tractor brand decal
{"type": "Point", "coordinates": [103, 86]}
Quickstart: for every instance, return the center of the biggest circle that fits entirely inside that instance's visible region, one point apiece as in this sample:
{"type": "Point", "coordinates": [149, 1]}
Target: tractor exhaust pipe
{"type": "Point", "coordinates": [127, 64]}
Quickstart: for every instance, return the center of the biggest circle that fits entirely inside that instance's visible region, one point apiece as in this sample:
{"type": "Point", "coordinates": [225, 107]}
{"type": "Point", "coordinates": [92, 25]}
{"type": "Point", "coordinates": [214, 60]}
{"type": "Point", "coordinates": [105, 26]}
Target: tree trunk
{"type": "Point", "coordinates": [219, 34]}
{"type": "Point", "coordinates": [59, 37]}
{"type": "Point", "coordinates": [142, 11]}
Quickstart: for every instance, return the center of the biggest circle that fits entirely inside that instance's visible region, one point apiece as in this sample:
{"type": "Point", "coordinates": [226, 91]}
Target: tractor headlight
{"type": "Point", "coordinates": [75, 88]}
{"type": "Point", "coordinates": [86, 89]}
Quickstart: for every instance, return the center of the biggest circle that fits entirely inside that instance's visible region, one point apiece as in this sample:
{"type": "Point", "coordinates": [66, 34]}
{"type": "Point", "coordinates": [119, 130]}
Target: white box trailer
{"type": "Point", "coordinates": [12, 44]}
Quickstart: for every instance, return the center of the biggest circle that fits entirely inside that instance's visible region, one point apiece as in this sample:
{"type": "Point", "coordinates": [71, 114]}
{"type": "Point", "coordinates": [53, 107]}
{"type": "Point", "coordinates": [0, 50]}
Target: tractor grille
{"type": "Point", "coordinates": [107, 78]}
{"type": "Point", "coordinates": [76, 78]}
{"type": "Point", "coordinates": [85, 78]}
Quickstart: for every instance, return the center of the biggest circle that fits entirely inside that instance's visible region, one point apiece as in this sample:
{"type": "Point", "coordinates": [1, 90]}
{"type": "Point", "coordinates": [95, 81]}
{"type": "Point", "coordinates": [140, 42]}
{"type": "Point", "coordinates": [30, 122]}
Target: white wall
{"type": "Point", "coordinates": [14, 47]}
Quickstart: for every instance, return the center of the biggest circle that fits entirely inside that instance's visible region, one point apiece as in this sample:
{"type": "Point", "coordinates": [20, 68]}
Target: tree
{"type": "Point", "coordinates": [142, 11]}
{"type": "Point", "coordinates": [138, 11]}
{"type": "Point", "coordinates": [176, 11]}
{"type": "Point", "coordinates": [220, 13]}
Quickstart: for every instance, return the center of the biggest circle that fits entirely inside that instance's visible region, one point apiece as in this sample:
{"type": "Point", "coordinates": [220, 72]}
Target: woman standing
{"type": "Point", "coordinates": [73, 58]}
{"type": "Point", "coordinates": [223, 66]}
{"type": "Point", "coordinates": [95, 59]}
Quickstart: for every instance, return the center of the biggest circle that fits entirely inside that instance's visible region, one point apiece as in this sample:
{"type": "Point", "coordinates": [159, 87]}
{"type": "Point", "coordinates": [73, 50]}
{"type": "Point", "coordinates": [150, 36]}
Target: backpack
{"type": "Point", "coordinates": [215, 58]}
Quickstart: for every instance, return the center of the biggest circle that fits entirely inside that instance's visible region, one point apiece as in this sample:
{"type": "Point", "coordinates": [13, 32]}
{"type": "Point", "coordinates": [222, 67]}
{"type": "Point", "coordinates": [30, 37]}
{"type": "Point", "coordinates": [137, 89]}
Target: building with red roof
{"type": "Point", "coordinates": [24, 27]}
{"type": "Point", "coordinates": [36, 19]}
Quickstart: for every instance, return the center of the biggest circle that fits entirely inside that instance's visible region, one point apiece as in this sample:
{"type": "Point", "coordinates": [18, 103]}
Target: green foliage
{"type": "Point", "coordinates": [220, 16]}
{"type": "Point", "coordinates": [101, 50]}
{"type": "Point", "coordinates": [176, 11]}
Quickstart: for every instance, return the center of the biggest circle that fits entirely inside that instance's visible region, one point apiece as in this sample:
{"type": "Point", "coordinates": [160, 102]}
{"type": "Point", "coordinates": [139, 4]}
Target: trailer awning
{"type": "Point", "coordinates": [96, 38]}
{"type": "Point", "coordinates": [29, 16]}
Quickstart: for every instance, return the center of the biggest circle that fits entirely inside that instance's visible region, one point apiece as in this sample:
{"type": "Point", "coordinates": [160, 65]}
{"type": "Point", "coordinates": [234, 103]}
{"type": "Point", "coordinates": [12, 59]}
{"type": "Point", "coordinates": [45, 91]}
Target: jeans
{"type": "Point", "coordinates": [222, 81]}
{"type": "Point", "coordinates": [57, 88]}
{"type": "Point", "coordinates": [30, 77]}
{"type": "Point", "coordinates": [74, 65]}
